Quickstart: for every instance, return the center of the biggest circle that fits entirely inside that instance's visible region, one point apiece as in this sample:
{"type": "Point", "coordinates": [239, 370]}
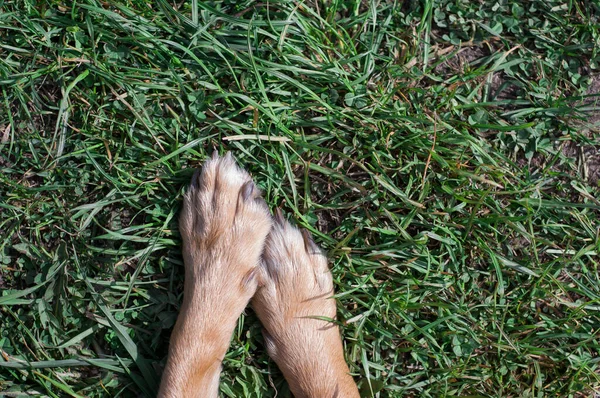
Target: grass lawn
{"type": "Point", "coordinates": [445, 153]}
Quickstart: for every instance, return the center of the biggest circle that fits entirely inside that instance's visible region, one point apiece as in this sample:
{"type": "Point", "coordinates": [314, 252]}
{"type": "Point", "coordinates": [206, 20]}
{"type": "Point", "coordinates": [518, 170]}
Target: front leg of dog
{"type": "Point", "coordinates": [198, 345]}
{"type": "Point", "coordinates": [223, 225]}
{"type": "Point", "coordinates": [311, 357]}
{"type": "Point", "coordinates": [213, 301]}
{"type": "Point", "coordinates": [295, 305]}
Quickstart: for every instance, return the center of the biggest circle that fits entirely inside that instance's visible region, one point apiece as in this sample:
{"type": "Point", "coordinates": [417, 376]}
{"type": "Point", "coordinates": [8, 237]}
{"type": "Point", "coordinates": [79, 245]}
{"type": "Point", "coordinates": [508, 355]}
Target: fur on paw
{"type": "Point", "coordinates": [224, 224]}
{"type": "Point", "coordinates": [296, 284]}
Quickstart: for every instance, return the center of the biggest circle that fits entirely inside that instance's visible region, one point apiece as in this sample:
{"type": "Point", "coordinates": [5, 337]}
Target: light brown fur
{"type": "Point", "coordinates": [294, 305]}
{"type": "Point", "coordinates": [224, 226]}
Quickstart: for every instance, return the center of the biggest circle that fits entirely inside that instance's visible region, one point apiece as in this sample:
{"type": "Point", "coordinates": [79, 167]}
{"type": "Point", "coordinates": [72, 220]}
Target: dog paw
{"type": "Point", "coordinates": [224, 223]}
{"type": "Point", "coordinates": [297, 286]}
{"type": "Point", "coordinates": [296, 307]}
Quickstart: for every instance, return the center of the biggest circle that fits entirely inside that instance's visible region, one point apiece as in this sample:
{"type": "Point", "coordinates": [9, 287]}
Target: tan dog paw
{"type": "Point", "coordinates": [223, 224]}
{"type": "Point", "coordinates": [296, 308]}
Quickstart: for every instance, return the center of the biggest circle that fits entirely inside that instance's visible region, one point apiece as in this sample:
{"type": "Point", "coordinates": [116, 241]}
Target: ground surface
{"type": "Point", "coordinates": [445, 153]}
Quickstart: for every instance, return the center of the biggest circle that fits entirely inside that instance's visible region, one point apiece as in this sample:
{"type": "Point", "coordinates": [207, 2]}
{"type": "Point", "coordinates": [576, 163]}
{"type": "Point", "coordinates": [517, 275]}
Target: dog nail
{"type": "Point", "coordinates": [309, 244]}
{"type": "Point", "coordinates": [247, 190]}
{"type": "Point", "coordinates": [196, 179]}
{"type": "Point", "coordinates": [279, 216]}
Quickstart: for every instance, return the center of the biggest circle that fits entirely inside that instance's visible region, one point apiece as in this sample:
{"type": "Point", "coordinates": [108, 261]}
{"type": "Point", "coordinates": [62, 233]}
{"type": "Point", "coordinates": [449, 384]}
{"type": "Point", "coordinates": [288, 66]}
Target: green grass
{"type": "Point", "coordinates": [444, 153]}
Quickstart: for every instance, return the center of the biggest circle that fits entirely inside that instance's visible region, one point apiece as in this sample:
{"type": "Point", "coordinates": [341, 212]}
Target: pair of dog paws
{"type": "Point", "coordinates": [236, 251]}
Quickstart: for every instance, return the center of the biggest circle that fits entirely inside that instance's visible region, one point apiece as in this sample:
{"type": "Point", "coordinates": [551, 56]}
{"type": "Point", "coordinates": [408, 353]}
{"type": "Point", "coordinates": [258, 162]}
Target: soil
{"type": "Point", "coordinates": [593, 100]}
{"type": "Point", "coordinates": [500, 87]}
{"type": "Point", "coordinates": [588, 156]}
{"type": "Point", "coordinates": [589, 153]}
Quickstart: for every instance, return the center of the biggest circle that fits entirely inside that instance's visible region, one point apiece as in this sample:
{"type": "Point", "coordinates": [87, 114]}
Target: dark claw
{"type": "Point", "coordinates": [248, 190]}
{"type": "Point", "coordinates": [196, 179]}
{"type": "Point", "coordinates": [279, 219]}
{"type": "Point", "coordinates": [309, 244]}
